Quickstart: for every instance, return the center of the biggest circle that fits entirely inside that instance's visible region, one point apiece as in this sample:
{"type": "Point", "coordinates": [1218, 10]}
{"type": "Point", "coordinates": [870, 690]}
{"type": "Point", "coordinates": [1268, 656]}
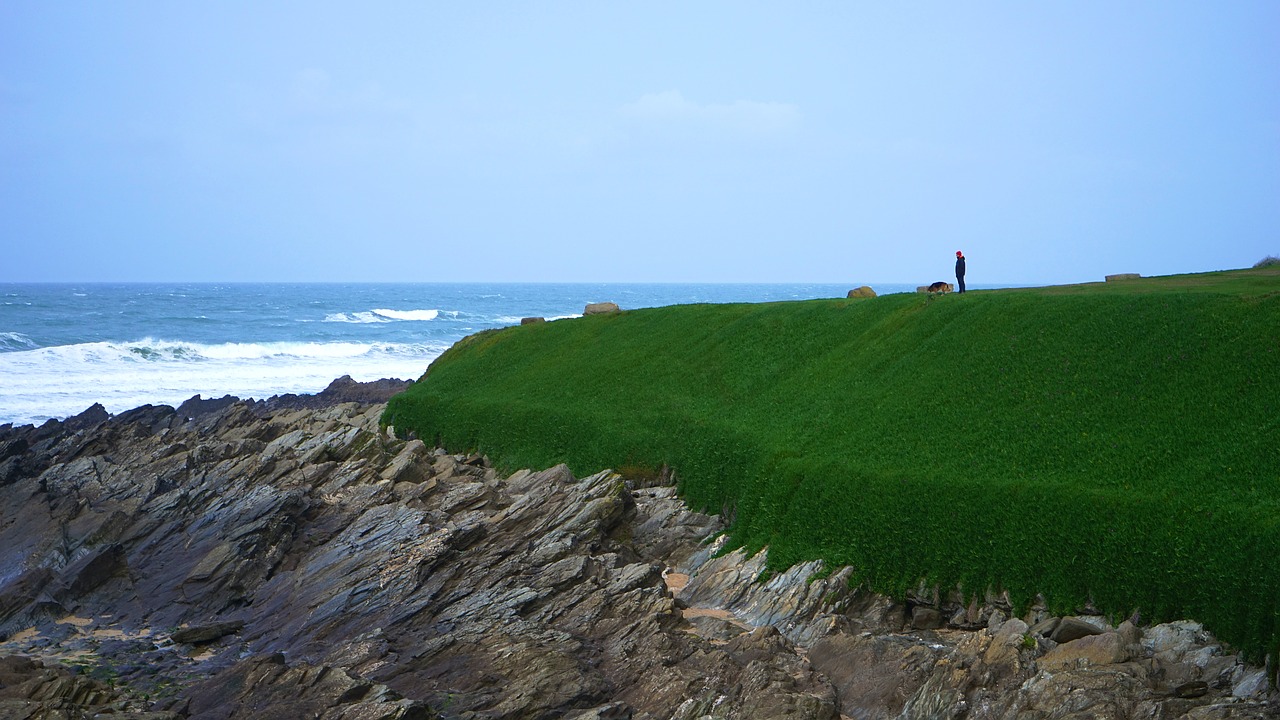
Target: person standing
{"type": "Point", "coordinates": [960, 270]}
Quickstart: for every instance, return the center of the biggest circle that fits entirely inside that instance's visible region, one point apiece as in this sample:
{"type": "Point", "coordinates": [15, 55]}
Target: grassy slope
{"type": "Point", "coordinates": [1119, 442]}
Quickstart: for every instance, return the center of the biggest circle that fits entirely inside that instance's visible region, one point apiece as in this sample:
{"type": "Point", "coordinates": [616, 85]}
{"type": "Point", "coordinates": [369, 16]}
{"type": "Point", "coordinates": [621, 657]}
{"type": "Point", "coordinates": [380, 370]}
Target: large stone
{"type": "Point", "coordinates": [409, 465]}
{"type": "Point", "coordinates": [1092, 650]}
{"type": "Point", "coordinates": [1171, 642]}
{"type": "Point", "coordinates": [873, 676]}
{"type": "Point", "coordinates": [925, 618]}
{"type": "Point", "coordinates": [1070, 628]}
{"type": "Point", "coordinates": [601, 308]}
{"type": "Point", "coordinates": [93, 569]}
{"type": "Point", "coordinates": [864, 291]}
{"type": "Point", "coordinates": [206, 633]}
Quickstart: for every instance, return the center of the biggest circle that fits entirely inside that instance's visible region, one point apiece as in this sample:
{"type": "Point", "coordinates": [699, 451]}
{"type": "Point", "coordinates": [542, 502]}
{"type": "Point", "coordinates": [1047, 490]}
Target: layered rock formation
{"type": "Point", "coordinates": [251, 560]}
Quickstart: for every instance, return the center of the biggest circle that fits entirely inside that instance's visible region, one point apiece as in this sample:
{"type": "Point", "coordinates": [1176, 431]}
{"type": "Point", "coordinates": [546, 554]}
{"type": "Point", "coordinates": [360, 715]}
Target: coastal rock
{"type": "Point", "coordinates": [206, 633]}
{"type": "Point", "coordinates": [31, 689]}
{"type": "Point", "coordinates": [342, 390]}
{"type": "Point", "coordinates": [925, 618]}
{"type": "Point", "coordinates": [863, 291]}
{"type": "Point", "coordinates": [1104, 649]}
{"type": "Point", "coordinates": [601, 308]}
{"type": "Point", "coordinates": [250, 560]}
{"type": "Point", "coordinates": [95, 415]}
{"type": "Point", "coordinates": [268, 688]}
{"type": "Point", "coordinates": [1069, 628]}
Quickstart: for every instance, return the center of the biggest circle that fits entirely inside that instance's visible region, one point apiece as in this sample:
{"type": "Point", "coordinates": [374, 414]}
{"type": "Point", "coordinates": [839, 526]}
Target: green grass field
{"type": "Point", "coordinates": [1114, 442]}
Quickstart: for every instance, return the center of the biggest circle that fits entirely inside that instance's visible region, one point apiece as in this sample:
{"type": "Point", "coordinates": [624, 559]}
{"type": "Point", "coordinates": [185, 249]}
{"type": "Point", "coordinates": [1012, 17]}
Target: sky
{"type": "Point", "coordinates": [1052, 142]}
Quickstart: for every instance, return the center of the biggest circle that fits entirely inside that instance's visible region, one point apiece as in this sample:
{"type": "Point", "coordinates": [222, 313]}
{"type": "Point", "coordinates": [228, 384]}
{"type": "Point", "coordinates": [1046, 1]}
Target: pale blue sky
{"type": "Point", "coordinates": [607, 142]}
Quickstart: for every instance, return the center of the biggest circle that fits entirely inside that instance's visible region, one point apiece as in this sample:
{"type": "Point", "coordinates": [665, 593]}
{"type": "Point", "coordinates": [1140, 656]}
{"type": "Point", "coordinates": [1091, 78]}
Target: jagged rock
{"type": "Point", "coordinates": [408, 465]}
{"type": "Point", "coordinates": [532, 320]}
{"type": "Point", "coordinates": [195, 406]}
{"type": "Point", "coordinates": [93, 416]}
{"type": "Point", "coordinates": [267, 688]}
{"type": "Point", "coordinates": [31, 690]}
{"type": "Point", "coordinates": [341, 390]}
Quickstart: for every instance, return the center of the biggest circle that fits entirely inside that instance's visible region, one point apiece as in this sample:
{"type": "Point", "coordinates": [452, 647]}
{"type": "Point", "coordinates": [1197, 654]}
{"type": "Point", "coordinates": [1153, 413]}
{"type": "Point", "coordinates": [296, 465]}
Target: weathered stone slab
{"type": "Point", "coordinates": [206, 633]}
{"type": "Point", "coordinates": [1093, 650]}
{"type": "Point", "coordinates": [1070, 628]}
{"type": "Point", "coordinates": [601, 308]}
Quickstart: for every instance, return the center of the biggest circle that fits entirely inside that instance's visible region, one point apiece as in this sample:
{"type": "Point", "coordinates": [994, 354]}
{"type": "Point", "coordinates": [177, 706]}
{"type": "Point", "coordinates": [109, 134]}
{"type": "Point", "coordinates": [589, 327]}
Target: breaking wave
{"type": "Point", "coordinates": [382, 315]}
{"type": "Point", "coordinates": [11, 341]}
{"type": "Point", "coordinates": [64, 380]}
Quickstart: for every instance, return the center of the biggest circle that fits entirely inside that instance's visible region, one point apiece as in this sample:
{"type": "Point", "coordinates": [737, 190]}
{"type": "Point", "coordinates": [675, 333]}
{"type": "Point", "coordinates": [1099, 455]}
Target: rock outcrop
{"type": "Point", "coordinates": [863, 291]}
{"type": "Point", "coordinates": [242, 560]}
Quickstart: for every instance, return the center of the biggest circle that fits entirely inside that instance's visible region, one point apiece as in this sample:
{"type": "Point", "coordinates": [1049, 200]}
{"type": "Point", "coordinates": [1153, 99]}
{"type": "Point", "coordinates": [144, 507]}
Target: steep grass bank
{"type": "Point", "coordinates": [1119, 442]}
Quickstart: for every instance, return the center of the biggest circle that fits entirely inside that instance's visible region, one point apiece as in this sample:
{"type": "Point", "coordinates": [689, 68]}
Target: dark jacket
{"type": "Point", "coordinates": [960, 267]}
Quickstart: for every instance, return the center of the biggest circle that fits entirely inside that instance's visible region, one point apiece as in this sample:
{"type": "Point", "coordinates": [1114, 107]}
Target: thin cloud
{"type": "Point", "coordinates": [748, 117]}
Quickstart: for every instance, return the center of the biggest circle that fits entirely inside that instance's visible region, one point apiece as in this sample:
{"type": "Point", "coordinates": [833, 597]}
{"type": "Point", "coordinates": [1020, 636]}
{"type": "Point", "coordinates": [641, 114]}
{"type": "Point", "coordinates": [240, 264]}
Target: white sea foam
{"type": "Point", "coordinates": [62, 381]}
{"type": "Point", "coordinates": [360, 317]}
{"type": "Point", "coordinates": [408, 314]}
{"type": "Point", "coordinates": [382, 315]}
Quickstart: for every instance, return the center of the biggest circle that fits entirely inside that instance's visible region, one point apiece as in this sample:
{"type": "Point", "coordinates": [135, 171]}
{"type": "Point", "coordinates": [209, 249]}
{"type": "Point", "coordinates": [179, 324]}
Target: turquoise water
{"type": "Point", "coordinates": [64, 347]}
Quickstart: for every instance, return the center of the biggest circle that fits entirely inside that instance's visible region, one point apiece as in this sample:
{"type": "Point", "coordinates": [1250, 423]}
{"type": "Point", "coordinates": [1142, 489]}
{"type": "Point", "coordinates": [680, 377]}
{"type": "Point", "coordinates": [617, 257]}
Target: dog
{"type": "Point", "coordinates": [941, 287]}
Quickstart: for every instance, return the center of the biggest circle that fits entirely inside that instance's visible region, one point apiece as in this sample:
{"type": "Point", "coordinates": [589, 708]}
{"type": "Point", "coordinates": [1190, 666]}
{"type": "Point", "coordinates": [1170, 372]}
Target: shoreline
{"type": "Point", "coordinates": [339, 390]}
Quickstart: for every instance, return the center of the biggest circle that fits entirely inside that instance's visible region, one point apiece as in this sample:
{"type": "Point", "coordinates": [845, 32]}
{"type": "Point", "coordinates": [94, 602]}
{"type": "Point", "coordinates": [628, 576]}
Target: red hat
{"type": "Point", "coordinates": [958, 253]}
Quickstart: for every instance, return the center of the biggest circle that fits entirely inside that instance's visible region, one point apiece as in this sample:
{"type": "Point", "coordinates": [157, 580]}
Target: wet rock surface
{"type": "Point", "coordinates": [248, 560]}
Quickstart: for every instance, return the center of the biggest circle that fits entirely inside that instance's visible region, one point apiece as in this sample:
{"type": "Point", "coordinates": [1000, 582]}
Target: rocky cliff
{"type": "Point", "coordinates": [257, 560]}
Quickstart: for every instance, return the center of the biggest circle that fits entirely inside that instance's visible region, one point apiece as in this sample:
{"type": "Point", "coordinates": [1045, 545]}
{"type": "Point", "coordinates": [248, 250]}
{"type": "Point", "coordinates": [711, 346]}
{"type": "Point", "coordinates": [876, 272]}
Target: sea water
{"type": "Point", "coordinates": [64, 347]}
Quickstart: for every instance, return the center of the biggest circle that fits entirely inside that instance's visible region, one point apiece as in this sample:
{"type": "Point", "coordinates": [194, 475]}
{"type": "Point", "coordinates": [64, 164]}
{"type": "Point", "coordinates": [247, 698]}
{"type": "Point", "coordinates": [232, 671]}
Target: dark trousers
{"type": "Point", "coordinates": [960, 279]}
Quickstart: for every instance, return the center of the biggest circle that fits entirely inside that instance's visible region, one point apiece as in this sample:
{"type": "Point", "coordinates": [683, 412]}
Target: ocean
{"type": "Point", "coordinates": [64, 347]}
